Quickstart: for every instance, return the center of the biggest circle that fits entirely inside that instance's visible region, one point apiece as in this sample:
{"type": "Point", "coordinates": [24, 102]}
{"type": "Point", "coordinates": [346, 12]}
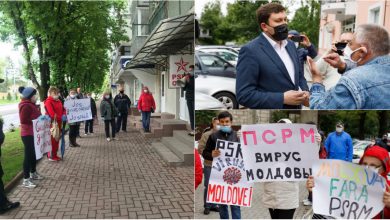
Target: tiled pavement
{"type": "Point", "coordinates": [120, 179]}
{"type": "Point", "coordinates": [256, 211]}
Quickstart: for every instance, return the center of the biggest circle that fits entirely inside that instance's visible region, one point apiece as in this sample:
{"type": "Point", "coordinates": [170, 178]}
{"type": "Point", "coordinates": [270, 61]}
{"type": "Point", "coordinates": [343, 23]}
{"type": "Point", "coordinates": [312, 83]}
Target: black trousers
{"type": "Point", "coordinates": [281, 213]}
{"type": "Point", "coordinates": [73, 130]}
{"type": "Point", "coordinates": [107, 124]}
{"type": "Point", "coordinates": [121, 121]}
{"type": "Point", "coordinates": [30, 160]}
{"type": "Point", "coordinates": [3, 197]}
{"type": "Point", "coordinates": [89, 126]}
{"type": "Point", "coordinates": [78, 130]}
{"type": "Point", "coordinates": [190, 105]}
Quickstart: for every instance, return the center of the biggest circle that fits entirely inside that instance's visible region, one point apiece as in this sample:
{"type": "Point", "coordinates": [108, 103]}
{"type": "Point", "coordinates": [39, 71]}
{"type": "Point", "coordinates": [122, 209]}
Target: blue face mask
{"type": "Point", "coordinates": [226, 129]}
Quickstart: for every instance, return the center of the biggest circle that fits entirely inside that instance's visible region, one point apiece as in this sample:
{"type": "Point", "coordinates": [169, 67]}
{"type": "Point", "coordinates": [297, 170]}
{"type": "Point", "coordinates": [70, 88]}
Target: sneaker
{"type": "Point", "coordinates": [36, 176]}
{"type": "Point", "coordinates": [52, 160]}
{"type": "Point", "coordinates": [28, 184]}
{"type": "Point", "coordinates": [108, 139]}
{"type": "Point", "coordinates": [85, 134]}
{"type": "Point", "coordinates": [9, 206]}
{"type": "Point", "coordinates": [307, 202]}
{"type": "Point", "coordinates": [206, 211]}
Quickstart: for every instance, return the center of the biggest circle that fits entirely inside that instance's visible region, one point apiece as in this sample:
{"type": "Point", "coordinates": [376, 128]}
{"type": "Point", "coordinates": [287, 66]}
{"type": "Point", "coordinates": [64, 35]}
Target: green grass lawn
{"type": "Point", "coordinates": [12, 154]}
{"type": "Point", "coordinates": [5, 102]}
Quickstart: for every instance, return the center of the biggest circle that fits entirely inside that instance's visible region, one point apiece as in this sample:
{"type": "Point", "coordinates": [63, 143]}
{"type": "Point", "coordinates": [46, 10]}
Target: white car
{"type": "Point", "coordinates": [216, 77]}
{"type": "Point", "coordinates": [226, 54]}
{"type": "Point", "coordinates": [358, 150]}
{"type": "Point", "coordinates": [207, 102]}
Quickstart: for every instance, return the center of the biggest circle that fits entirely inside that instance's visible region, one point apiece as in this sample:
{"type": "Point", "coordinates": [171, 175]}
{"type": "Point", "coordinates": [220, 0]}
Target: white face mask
{"type": "Point", "coordinates": [348, 54]}
{"type": "Point", "coordinates": [107, 96]}
{"type": "Point", "coordinates": [145, 91]}
{"type": "Point", "coordinates": [217, 127]}
{"type": "Point", "coordinates": [55, 97]}
{"type": "Point", "coordinates": [72, 96]}
{"type": "Point", "coordinates": [373, 169]}
{"type": "Point", "coordinates": [339, 130]}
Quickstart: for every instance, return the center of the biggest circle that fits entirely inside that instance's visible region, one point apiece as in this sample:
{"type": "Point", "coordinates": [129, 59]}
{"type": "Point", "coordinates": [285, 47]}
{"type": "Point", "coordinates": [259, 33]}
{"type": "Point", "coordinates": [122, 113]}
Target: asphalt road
{"type": "Point", "coordinates": [10, 115]}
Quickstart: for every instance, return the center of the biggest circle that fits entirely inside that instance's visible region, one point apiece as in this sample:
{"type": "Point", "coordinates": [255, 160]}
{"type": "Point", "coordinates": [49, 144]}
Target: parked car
{"type": "Point", "coordinates": [230, 48]}
{"type": "Point", "coordinates": [224, 53]}
{"type": "Point", "coordinates": [216, 77]}
{"type": "Point", "coordinates": [358, 150]}
{"type": "Point", "coordinates": [207, 102]}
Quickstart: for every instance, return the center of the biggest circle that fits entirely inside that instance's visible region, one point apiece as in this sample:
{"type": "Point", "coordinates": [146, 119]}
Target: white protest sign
{"type": "Point", "coordinates": [42, 137]}
{"type": "Point", "coordinates": [346, 190]}
{"type": "Point", "coordinates": [78, 110]}
{"type": "Point", "coordinates": [227, 184]}
{"type": "Point", "coordinates": [278, 152]}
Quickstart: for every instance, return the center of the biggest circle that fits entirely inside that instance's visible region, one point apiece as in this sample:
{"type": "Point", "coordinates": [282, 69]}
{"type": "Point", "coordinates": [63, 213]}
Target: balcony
{"type": "Point", "coordinates": [339, 7]}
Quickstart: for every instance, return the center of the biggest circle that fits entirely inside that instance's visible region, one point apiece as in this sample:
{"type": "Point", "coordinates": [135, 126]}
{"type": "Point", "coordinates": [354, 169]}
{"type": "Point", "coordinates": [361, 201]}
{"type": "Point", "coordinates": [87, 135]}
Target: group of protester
{"type": "Point", "coordinates": [282, 198]}
{"type": "Point", "coordinates": [352, 75]}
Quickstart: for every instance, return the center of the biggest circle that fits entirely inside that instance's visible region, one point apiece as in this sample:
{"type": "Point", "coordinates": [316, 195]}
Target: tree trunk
{"type": "Point", "coordinates": [362, 120]}
{"type": "Point", "coordinates": [44, 68]}
{"type": "Point", "coordinates": [383, 118]}
{"type": "Point", "coordinates": [15, 12]}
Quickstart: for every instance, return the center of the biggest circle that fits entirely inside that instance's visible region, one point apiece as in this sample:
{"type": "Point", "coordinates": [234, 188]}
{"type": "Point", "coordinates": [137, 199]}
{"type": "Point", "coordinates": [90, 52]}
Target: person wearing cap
{"type": "Point", "coordinates": [306, 49]}
{"type": "Point", "coordinates": [5, 204]}
{"type": "Point", "coordinates": [28, 112]}
{"type": "Point", "coordinates": [338, 144]}
{"type": "Point", "coordinates": [377, 159]}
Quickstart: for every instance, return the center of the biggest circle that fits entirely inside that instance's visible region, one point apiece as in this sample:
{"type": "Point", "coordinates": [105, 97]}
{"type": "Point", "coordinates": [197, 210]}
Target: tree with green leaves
{"type": "Point", "coordinates": [72, 40]}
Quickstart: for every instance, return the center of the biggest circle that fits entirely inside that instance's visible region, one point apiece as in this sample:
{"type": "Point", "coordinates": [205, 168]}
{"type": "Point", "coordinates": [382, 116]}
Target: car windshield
{"type": "Point", "coordinates": [211, 62]}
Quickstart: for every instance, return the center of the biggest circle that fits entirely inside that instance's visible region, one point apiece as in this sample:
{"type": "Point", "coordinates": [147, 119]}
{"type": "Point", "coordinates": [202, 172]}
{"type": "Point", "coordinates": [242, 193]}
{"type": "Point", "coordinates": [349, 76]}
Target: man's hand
{"type": "Point", "coordinates": [215, 153]}
{"type": "Point", "coordinates": [334, 60]}
{"type": "Point", "coordinates": [306, 41]}
{"type": "Point", "coordinates": [310, 183]}
{"type": "Point", "coordinates": [293, 97]}
{"type": "Point", "coordinates": [315, 73]}
{"type": "Point", "coordinates": [307, 99]}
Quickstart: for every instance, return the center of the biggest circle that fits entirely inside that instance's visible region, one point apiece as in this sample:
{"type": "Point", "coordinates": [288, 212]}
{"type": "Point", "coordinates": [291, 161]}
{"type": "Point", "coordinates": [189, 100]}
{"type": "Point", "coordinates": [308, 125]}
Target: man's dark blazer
{"type": "Point", "coordinates": [262, 77]}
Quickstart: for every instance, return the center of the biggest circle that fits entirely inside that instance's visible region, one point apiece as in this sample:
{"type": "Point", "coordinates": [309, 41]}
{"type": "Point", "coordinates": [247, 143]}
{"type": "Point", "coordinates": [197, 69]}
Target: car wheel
{"type": "Point", "coordinates": [227, 99]}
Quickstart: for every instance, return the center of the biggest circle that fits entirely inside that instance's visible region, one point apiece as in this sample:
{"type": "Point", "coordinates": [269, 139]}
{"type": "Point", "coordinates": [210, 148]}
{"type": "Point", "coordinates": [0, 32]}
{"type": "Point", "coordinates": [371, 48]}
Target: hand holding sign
{"type": "Point", "coordinates": [347, 190]}
{"type": "Point", "coordinates": [227, 184]}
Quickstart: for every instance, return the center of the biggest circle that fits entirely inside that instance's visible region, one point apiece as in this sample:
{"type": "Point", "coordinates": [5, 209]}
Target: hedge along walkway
{"type": "Point", "coordinates": [119, 179]}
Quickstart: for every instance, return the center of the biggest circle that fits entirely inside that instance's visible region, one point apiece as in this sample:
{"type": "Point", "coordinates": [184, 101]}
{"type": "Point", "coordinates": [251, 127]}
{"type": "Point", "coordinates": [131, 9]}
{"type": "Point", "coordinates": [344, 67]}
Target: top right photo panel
{"type": "Point", "coordinates": [288, 54]}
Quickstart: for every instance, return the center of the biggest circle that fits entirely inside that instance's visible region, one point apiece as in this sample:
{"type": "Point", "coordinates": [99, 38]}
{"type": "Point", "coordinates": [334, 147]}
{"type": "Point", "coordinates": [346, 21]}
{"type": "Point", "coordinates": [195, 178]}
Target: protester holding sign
{"type": "Point", "coordinates": [57, 113]}
{"type": "Point", "coordinates": [375, 159]}
{"type": "Point", "coordinates": [28, 112]}
{"type": "Point", "coordinates": [207, 165]}
{"type": "Point", "coordinates": [339, 144]}
{"type": "Point", "coordinates": [224, 133]}
{"type": "Point", "coordinates": [89, 123]}
{"type": "Point", "coordinates": [73, 126]}
{"type": "Point", "coordinates": [108, 113]}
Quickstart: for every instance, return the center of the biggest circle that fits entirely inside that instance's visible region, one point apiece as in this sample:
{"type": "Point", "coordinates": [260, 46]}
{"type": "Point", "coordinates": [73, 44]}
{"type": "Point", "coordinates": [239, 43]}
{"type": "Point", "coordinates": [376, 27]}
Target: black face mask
{"type": "Point", "coordinates": [280, 32]}
{"type": "Point", "coordinates": [121, 92]}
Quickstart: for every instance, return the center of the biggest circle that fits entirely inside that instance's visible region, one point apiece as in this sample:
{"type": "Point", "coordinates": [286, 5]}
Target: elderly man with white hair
{"type": "Point", "coordinates": [365, 87]}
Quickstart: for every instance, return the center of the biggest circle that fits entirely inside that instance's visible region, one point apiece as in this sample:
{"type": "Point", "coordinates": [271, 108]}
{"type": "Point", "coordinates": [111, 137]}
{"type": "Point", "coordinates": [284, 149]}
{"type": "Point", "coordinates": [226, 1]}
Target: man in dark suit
{"type": "Point", "coordinates": [268, 72]}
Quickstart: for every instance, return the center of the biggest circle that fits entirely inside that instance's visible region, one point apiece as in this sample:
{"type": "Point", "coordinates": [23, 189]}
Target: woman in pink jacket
{"type": "Point", "coordinates": [146, 106]}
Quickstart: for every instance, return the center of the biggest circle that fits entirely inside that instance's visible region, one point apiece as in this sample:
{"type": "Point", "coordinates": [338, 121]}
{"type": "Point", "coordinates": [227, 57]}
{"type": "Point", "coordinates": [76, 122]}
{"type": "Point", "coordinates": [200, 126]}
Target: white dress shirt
{"type": "Point", "coordinates": [284, 56]}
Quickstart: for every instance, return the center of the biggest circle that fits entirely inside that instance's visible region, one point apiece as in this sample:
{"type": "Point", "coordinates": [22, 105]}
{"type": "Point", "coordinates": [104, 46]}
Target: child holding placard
{"type": "Point", "coordinates": [377, 159]}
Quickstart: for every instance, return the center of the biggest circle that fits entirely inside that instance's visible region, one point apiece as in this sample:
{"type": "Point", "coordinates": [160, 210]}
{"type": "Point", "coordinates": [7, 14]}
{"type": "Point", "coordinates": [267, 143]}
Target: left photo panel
{"type": "Point", "coordinates": [97, 109]}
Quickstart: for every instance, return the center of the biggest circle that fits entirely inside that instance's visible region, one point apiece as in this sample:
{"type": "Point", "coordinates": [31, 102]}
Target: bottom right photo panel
{"type": "Point", "coordinates": [284, 164]}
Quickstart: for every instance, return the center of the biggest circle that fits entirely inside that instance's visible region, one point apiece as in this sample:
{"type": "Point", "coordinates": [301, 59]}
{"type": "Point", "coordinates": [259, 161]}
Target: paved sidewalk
{"type": "Point", "coordinates": [256, 211]}
{"type": "Point", "coordinates": [119, 179]}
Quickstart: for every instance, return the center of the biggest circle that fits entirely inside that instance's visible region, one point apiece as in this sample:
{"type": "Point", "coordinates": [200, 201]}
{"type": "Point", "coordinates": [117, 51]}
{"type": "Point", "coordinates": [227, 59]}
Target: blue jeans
{"type": "Point", "coordinates": [224, 211]}
{"type": "Point", "coordinates": [146, 120]}
{"type": "Point", "coordinates": [206, 173]}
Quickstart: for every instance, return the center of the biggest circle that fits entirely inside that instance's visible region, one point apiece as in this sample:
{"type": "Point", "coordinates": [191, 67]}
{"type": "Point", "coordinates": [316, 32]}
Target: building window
{"type": "Point", "coordinates": [125, 51]}
{"type": "Point", "coordinates": [142, 21]}
{"type": "Point", "coordinates": [374, 15]}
